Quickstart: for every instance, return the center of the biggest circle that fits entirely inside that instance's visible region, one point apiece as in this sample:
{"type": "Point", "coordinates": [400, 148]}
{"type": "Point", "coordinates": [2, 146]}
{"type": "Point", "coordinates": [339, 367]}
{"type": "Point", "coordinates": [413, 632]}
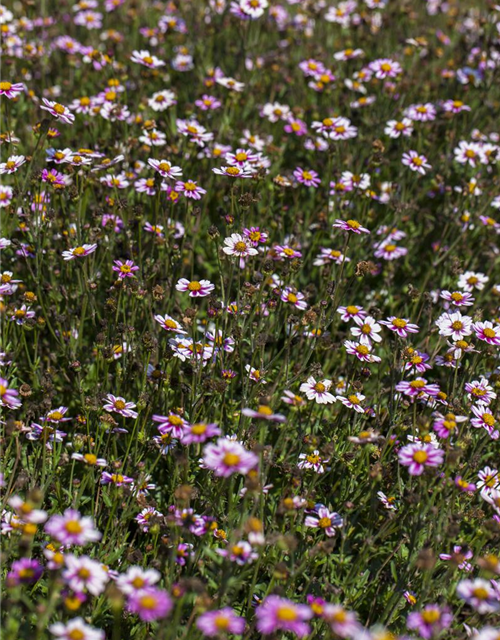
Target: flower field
{"type": "Point", "coordinates": [250, 307]}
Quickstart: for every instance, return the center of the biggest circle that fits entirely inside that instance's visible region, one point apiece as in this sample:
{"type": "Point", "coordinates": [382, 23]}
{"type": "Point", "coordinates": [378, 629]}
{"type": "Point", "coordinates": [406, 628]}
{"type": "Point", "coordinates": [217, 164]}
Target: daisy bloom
{"type": "Point", "coordinates": [458, 298]}
{"type": "Point", "coordinates": [318, 391]}
{"type": "Point", "coordinates": [416, 162]}
{"type": "Point", "coordinates": [312, 461]}
{"type": "Point", "coordinates": [189, 189]}
{"type": "Point", "coordinates": [196, 288]}
{"type": "Point", "coordinates": [479, 594]}
{"type": "Point", "coordinates": [471, 280]}
{"type": "Point", "coordinates": [309, 178]}
{"type": "Point", "coordinates": [401, 326]}
{"type": "Point", "coordinates": [12, 165]}
{"type": "Point", "coordinates": [487, 332]}
{"type": "Point", "coordinates": [366, 330]}
{"type": "Point", "coordinates": [227, 457]}
{"type": "Point", "coordinates": [146, 59]}
{"type": "Point", "coordinates": [220, 622]}
{"type": "Point", "coordinates": [281, 614]}
{"type": "Point", "coordinates": [72, 528]}
{"type": "Point", "coordinates": [165, 169]}
{"type": "Point", "coordinates": [238, 245]}
{"type": "Point", "coordinates": [480, 390]}
{"type": "Point", "coordinates": [429, 622]}
{"type": "Point", "coordinates": [454, 325]}
{"type": "Point", "coordinates": [352, 312]}
{"type": "Point", "coordinates": [136, 578]}
{"type": "Point", "coordinates": [350, 225]}
{"type": "Point", "coordinates": [150, 604]}
{"type": "Point", "coordinates": [418, 456]}
{"type": "Point", "coordinates": [76, 628]}
{"type": "Point", "coordinates": [397, 128]}
{"type": "Point", "coordinates": [59, 111]}
{"type": "Point", "coordinates": [11, 90]}
{"type": "Point", "coordinates": [79, 252]}
{"type": "Point", "coordinates": [325, 519]}
{"type": "Point", "coordinates": [385, 68]}
{"type": "Point", "coordinates": [353, 402]}
{"type": "Point", "coordinates": [343, 623]}
{"type": "Point", "coordinates": [263, 412]}
{"type": "Point", "coordinates": [361, 351]}
{"type": "Point", "coordinates": [169, 324]}
{"type": "Point", "coordinates": [416, 387]}
{"type": "Point", "coordinates": [119, 405]}
{"type": "Point", "coordinates": [125, 269]}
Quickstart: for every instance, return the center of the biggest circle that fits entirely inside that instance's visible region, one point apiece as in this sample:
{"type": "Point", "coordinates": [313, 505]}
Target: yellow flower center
{"type": "Point", "coordinates": [353, 224]}
{"type": "Point", "coordinates": [319, 387]}
{"type": "Point", "coordinates": [120, 405]}
{"type": "Point", "coordinates": [430, 616]}
{"type": "Point", "coordinates": [240, 246]}
{"type": "Point", "coordinates": [79, 251]}
{"type": "Point", "coordinates": [5, 86]}
{"type": "Point", "coordinates": [457, 325]}
{"type": "Point", "coordinates": [199, 429]}
{"type": "Point", "coordinates": [233, 171]}
{"type": "Point", "coordinates": [399, 323]}
{"type": "Point", "coordinates": [286, 614]}
{"type": "Point", "coordinates": [265, 410]}
{"type": "Point", "coordinates": [73, 527]}
{"type": "Point", "coordinates": [420, 456]}
{"type": "Point", "coordinates": [58, 108]}
{"type": "Point", "coordinates": [231, 459]}
{"type": "Point", "coordinates": [194, 286]}
{"type": "Point", "coordinates": [489, 333]}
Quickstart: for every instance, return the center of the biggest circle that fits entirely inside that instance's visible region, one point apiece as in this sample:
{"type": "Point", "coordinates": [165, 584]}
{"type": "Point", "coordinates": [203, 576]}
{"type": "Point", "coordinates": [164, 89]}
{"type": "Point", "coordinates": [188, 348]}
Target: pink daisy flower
{"type": "Point", "coordinates": [420, 455]}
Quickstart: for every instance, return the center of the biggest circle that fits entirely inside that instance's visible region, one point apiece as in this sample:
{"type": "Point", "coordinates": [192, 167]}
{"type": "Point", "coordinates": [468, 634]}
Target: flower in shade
{"type": "Point", "coordinates": [150, 604]}
{"type": "Point", "coordinates": [79, 252]}
{"type": "Point", "coordinates": [76, 629]}
{"type": "Point", "coordinates": [487, 332]}
{"type": "Point", "coordinates": [72, 528]}
{"type": "Point", "coordinates": [350, 225]}
{"type": "Point", "coordinates": [318, 391]}
{"type": "Point", "coordinates": [125, 269]}
{"type": "Point", "coordinates": [479, 594]}
{"type": "Point", "coordinates": [418, 456]}
{"type": "Point", "coordinates": [24, 571]}
{"type": "Point", "coordinates": [323, 518]}
{"type": "Point", "coordinates": [429, 622]}
{"type": "Point", "coordinates": [459, 557]}
{"type": "Point", "coordinates": [312, 461]}
{"type": "Point", "coordinates": [196, 288]}
{"type": "Point", "coordinates": [59, 111]}
{"type": "Point", "coordinates": [8, 397]}
{"type": "Point", "coordinates": [281, 614]}
{"type": "Point", "coordinates": [401, 326]}
{"type": "Point", "coordinates": [228, 456]}
{"type": "Point", "coordinates": [117, 404]}
{"type": "Point", "coordinates": [220, 622]}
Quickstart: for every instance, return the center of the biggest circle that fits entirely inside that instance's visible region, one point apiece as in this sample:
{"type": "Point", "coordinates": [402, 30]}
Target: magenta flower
{"type": "Point", "coordinates": [328, 521]}
{"type": "Point", "coordinates": [416, 162]}
{"type": "Point", "coordinates": [189, 189]}
{"type": "Point", "coordinates": [417, 387]}
{"type": "Point", "coordinates": [281, 614]}
{"type": "Point", "coordinates": [401, 326]}
{"type": "Point", "coordinates": [228, 456]}
{"type": "Point", "coordinates": [220, 622]}
{"type": "Point", "coordinates": [24, 571]}
{"type": "Point", "coordinates": [487, 332]}
{"type": "Point", "coordinates": [59, 111]}
{"type": "Point", "coordinates": [418, 456]}
{"type": "Point", "coordinates": [8, 397]}
{"type": "Point", "coordinates": [431, 621]}
{"type": "Point", "coordinates": [119, 405]}
{"type": "Point", "coordinates": [125, 269]}
{"type": "Point", "coordinates": [196, 288]}
{"type": "Point", "coordinates": [72, 528]}
{"type": "Point", "coordinates": [309, 178]}
{"type": "Point", "coordinates": [350, 225]}
{"type": "Point", "coordinates": [200, 432]}
{"type": "Point", "coordinates": [11, 90]}
{"type": "Point", "coordinates": [150, 604]}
